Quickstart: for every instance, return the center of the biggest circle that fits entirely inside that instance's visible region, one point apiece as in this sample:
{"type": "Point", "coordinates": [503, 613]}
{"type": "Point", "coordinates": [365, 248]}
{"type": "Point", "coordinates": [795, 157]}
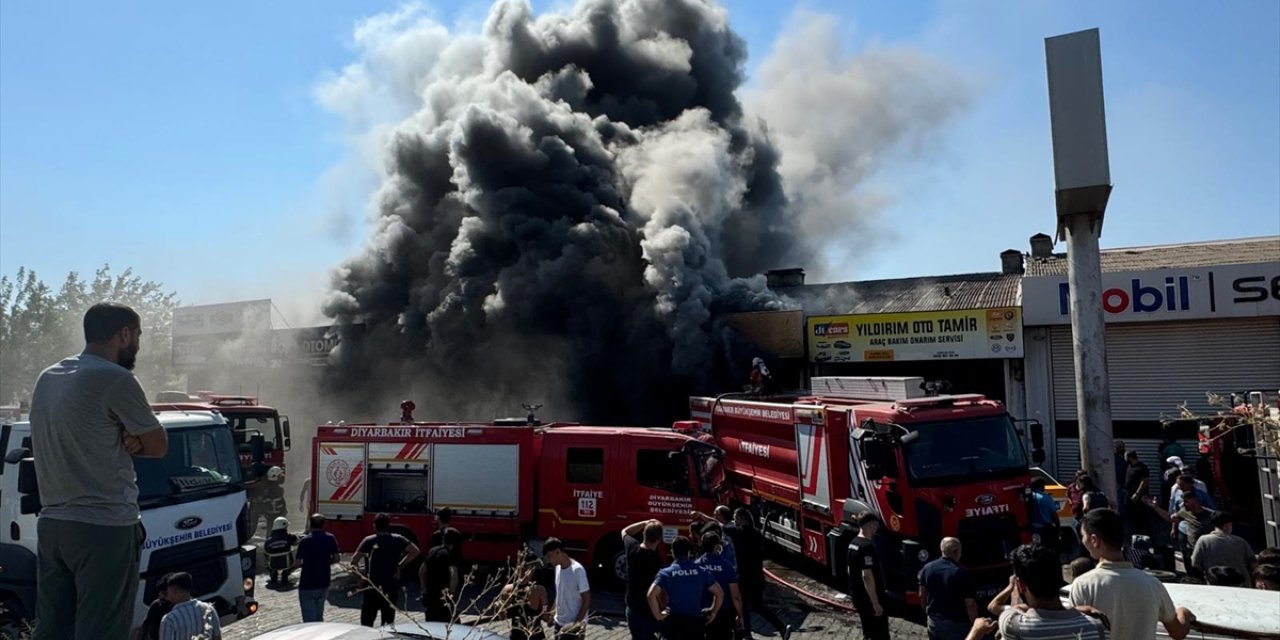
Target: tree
{"type": "Point", "coordinates": [39, 326]}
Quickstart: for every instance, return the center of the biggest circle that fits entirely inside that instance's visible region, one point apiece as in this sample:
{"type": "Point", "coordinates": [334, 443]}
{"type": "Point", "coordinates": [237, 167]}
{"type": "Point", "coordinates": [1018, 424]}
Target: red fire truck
{"type": "Point", "coordinates": [511, 482]}
{"type": "Point", "coordinates": [244, 415]}
{"type": "Point", "coordinates": [928, 466]}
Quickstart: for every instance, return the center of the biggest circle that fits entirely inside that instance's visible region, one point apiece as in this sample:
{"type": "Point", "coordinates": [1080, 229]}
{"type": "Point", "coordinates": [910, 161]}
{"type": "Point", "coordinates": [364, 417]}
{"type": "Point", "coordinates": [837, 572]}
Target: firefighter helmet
{"type": "Point", "coordinates": [280, 524]}
{"type": "Point", "coordinates": [275, 474]}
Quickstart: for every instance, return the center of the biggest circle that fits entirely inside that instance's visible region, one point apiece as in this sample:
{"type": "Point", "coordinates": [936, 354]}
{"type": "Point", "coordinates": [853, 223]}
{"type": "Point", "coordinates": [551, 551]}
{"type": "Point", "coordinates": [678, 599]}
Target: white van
{"type": "Point", "coordinates": [194, 512]}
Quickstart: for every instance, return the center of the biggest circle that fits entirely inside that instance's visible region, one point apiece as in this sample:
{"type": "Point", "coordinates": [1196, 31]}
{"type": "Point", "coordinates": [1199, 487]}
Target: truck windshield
{"type": "Point", "coordinates": [986, 446]}
{"type": "Point", "coordinates": [245, 425]}
{"type": "Point", "coordinates": [201, 462]}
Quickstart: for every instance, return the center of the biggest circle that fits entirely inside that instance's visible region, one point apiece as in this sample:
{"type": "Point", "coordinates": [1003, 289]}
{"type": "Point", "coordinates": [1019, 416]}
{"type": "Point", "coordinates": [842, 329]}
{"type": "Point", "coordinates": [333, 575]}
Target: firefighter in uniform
{"type": "Point", "coordinates": [266, 498]}
{"type": "Point", "coordinates": [678, 593]}
{"type": "Point", "coordinates": [279, 550]}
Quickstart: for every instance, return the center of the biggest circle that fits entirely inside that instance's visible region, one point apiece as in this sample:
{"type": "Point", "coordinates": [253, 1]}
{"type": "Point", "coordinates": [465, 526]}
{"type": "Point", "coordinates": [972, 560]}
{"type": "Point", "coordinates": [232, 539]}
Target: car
{"type": "Point", "coordinates": [399, 631]}
{"type": "Point", "coordinates": [842, 344]}
{"type": "Point", "coordinates": [822, 357]}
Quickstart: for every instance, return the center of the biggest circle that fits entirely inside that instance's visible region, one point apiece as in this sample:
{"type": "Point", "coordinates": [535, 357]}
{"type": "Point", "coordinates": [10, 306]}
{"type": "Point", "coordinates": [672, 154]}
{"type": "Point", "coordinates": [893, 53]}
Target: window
{"type": "Point", "coordinates": [584, 466]}
{"type": "Point", "coordinates": [656, 469]}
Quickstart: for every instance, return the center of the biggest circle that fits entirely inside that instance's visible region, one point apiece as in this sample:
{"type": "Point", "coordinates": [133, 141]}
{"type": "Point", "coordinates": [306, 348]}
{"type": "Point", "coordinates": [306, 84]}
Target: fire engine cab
{"type": "Point", "coordinates": [511, 482]}
{"type": "Point", "coordinates": [246, 418]}
{"type": "Point", "coordinates": [927, 466]}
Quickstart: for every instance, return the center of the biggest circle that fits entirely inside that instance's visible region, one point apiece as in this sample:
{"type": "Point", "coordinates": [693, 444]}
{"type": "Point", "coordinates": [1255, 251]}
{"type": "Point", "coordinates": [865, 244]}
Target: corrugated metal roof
{"type": "Point", "coordinates": [1195, 254]}
{"type": "Point", "coordinates": [939, 293]}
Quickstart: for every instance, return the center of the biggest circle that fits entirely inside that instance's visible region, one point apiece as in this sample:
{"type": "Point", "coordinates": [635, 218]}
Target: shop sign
{"type": "Point", "coordinates": [1230, 291]}
{"type": "Point", "coordinates": [928, 335]}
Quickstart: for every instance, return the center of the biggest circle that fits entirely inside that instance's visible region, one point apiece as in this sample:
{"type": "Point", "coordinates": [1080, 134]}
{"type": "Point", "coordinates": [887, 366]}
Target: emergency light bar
{"type": "Point", "coordinates": [233, 401]}
{"type": "Point", "coordinates": [939, 401]}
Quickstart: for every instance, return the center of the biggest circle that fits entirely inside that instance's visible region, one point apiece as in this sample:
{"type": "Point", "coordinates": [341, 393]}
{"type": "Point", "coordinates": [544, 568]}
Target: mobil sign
{"type": "Point", "coordinates": [1229, 291]}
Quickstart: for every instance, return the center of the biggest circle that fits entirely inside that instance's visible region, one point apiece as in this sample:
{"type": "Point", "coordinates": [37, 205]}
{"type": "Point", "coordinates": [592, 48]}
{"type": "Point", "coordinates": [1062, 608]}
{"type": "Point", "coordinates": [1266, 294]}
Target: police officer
{"type": "Point", "coordinates": [677, 594]}
{"type": "Point", "coordinates": [727, 619]}
{"type": "Point", "coordinates": [866, 579]}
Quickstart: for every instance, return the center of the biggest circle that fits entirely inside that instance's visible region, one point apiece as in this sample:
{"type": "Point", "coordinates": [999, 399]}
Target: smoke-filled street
{"type": "Point", "coordinates": [681, 319]}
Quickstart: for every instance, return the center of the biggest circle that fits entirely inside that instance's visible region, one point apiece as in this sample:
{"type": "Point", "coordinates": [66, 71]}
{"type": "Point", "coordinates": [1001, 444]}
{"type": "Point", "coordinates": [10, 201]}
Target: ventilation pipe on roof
{"type": "Point", "coordinates": [1041, 246]}
{"type": "Point", "coordinates": [1010, 261]}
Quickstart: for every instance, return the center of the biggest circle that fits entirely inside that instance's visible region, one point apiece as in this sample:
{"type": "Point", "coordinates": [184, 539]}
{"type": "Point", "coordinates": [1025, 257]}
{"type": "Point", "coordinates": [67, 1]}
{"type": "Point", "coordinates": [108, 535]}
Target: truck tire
{"type": "Point", "coordinates": [611, 562]}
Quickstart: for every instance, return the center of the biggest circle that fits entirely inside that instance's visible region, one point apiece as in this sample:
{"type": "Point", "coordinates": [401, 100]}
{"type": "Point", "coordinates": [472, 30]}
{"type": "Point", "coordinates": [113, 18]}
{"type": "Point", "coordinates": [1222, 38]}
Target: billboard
{"type": "Point", "coordinates": [1192, 293]}
{"type": "Point", "coordinates": [230, 333]}
{"type": "Point", "coordinates": [926, 335]}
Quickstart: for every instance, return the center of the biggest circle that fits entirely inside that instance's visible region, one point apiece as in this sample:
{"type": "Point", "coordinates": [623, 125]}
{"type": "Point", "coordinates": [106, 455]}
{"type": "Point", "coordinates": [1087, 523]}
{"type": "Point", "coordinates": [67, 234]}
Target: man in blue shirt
{"type": "Point", "coordinates": [677, 594]}
{"type": "Point", "coordinates": [317, 552]}
{"type": "Point", "coordinates": [947, 594]}
{"type": "Point", "coordinates": [1044, 514]}
{"type": "Point", "coordinates": [727, 619]}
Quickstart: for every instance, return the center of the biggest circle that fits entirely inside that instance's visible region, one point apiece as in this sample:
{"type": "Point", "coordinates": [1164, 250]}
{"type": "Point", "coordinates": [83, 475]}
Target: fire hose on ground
{"type": "Point", "coordinates": [809, 594]}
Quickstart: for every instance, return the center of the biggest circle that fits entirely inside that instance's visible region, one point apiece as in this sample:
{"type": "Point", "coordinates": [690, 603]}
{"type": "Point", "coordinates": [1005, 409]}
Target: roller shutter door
{"type": "Point", "coordinates": [1154, 367]}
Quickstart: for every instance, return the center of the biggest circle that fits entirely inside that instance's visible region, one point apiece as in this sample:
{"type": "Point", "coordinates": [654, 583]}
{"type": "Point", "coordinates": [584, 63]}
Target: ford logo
{"type": "Point", "coordinates": [985, 498]}
{"type": "Point", "coordinates": [191, 522]}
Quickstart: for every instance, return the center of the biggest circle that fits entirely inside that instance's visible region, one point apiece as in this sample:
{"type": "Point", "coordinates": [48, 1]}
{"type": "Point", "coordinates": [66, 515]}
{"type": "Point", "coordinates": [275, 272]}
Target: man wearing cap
{"type": "Point", "coordinates": [866, 579]}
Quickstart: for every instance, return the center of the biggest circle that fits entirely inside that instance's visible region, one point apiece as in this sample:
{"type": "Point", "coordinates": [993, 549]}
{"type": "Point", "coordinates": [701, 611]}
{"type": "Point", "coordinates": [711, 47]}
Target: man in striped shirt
{"type": "Point", "coordinates": [190, 619]}
{"type": "Point", "coordinates": [1038, 577]}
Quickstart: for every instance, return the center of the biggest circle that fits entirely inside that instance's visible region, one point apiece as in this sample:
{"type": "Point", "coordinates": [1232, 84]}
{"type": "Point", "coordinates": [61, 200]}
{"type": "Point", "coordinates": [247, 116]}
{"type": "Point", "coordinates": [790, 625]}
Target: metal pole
{"type": "Point", "coordinates": [1089, 346]}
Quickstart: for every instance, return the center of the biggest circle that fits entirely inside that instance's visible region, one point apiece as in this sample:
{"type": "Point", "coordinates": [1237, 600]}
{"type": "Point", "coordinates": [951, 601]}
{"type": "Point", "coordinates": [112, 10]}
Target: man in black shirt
{"type": "Point", "coordinates": [1137, 515]}
{"type": "Point", "coordinates": [387, 554]}
{"type": "Point", "coordinates": [444, 519]}
{"type": "Point", "coordinates": [947, 594]}
{"type": "Point", "coordinates": [440, 576]}
{"type": "Point", "coordinates": [643, 563]}
{"type": "Point", "coordinates": [866, 580]}
{"type": "Point", "coordinates": [750, 557]}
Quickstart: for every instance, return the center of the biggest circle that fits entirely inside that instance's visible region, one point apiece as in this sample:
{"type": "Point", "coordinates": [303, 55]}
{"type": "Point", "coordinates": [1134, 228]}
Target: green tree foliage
{"type": "Point", "coordinates": [39, 326]}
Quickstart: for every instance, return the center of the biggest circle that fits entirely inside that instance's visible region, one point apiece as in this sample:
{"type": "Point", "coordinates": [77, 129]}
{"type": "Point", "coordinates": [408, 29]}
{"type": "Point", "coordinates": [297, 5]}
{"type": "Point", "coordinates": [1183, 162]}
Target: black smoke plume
{"type": "Point", "coordinates": [567, 202]}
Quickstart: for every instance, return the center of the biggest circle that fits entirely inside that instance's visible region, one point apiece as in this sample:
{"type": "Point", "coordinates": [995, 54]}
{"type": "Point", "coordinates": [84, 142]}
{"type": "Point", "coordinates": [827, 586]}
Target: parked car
{"type": "Point", "coordinates": [397, 631]}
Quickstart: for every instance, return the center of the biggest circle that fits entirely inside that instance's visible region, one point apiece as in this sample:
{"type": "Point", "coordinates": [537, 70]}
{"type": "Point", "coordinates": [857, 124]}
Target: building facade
{"type": "Point", "coordinates": [1181, 321]}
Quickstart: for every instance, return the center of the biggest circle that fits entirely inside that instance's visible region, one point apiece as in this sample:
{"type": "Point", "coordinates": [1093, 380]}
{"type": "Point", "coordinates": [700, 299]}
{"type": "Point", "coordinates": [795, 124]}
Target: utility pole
{"type": "Point", "coordinates": [1082, 176]}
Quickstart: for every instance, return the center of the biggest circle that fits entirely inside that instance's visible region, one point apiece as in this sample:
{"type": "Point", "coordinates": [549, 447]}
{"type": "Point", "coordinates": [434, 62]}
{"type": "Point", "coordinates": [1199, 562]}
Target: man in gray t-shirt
{"type": "Point", "coordinates": [89, 415]}
{"type": "Point", "coordinates": [1221, 549]}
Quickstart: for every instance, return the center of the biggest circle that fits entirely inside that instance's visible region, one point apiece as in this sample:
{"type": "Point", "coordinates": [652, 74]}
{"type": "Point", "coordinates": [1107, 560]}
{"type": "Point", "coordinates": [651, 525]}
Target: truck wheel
{"type": "Point", "coordinates": [611, 560]}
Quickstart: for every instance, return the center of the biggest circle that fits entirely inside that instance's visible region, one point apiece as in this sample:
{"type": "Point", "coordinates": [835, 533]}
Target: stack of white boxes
{"type": "Point", "coordinates": [868, 388]}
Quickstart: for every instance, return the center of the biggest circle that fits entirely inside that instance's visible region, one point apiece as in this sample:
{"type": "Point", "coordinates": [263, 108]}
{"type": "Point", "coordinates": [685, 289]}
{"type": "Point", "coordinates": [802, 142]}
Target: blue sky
{"type": "Point", "coordinates": [184, 139]}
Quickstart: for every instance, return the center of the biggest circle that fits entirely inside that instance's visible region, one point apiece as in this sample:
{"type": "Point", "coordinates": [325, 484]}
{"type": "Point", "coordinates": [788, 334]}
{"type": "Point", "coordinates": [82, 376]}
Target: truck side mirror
{"type": "Point", "coordinates": [258, 447]}
{"type": "Point", "coordinates": [1037, 435]}
{"type": "Point", "coordinates": [29, 503]}
{"type": "Point", "coordinates": [875, 471]}
{"type": "Point", "coordinates": [1037, 442]}
{"type": "Point", "coordinates": [878, 457]}
{"type": "Point", "coordinates": [284, 420]}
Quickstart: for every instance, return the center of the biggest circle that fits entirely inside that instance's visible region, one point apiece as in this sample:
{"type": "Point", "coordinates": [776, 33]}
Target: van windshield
{"type": "Point", "coordinates": [986, 447]}
{"type": "Point", "coordinates": [201, 462]}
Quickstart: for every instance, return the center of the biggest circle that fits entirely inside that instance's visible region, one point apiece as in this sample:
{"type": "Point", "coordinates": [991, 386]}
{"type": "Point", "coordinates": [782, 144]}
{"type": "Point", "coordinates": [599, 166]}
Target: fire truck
{"type": "Point", "coordinates": [927, 466]}
{"type": "Point", "coordinates": [246, 418]}
{"type": "Point", "coordinates": [511, 482]}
